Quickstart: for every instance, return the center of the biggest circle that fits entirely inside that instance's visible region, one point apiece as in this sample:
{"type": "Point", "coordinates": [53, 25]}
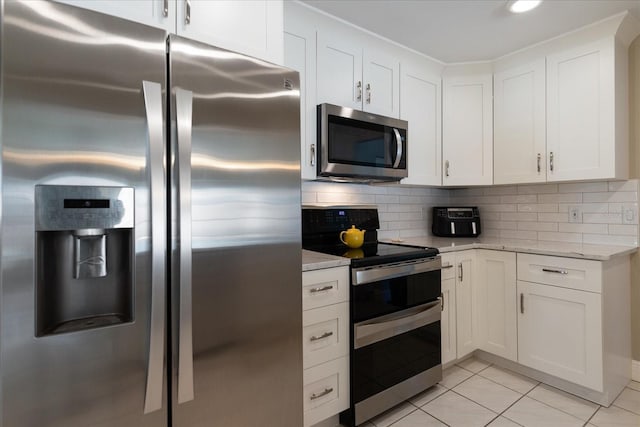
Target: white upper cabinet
{"type": "Point", "coordinates": [519, 144]}
{"type": "Point", "coordinates": [354, 76]}
{"type": "Point", "coordinates": [585, 138]}
{"type": "Point", "coordinates": [420, 106]}
{"type": "Point", "coordinates": [339, 71]}
{"type": "Point", "coordinates": [300, 55]}
{"type": "Point", "coordinates": [155, 13]}
{"type": "Point", "coordinates": [467, 130]}
{"type": "Point", "coordinates": [252, 27]}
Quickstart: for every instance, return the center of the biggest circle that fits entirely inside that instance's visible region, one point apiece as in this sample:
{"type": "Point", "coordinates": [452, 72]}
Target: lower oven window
{"type": "Point", "coordinates": [383, 364]}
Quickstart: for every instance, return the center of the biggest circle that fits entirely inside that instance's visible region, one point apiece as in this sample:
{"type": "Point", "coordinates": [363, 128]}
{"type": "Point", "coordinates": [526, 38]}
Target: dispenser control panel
{"type": "Point", "coordinates": [66, 207]}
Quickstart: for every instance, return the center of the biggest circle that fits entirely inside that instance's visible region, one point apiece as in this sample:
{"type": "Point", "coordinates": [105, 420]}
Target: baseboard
{"type": "Point", "coordinates": [635, 370]}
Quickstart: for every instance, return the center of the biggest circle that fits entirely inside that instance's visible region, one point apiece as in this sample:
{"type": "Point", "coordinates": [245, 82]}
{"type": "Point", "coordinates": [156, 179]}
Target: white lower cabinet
{"type": "Point", "coordinates": [325, 343]}
{"type": "Point", "coordinates": [495, 292]}
{"type": "Point", "coordinates": [560, 332]}
{"type": "Point", "coordinates": [448, 319]}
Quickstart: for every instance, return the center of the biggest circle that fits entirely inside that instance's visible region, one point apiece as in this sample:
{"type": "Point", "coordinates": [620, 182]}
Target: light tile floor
{"type": "Point", "coordinates": [474, 393]}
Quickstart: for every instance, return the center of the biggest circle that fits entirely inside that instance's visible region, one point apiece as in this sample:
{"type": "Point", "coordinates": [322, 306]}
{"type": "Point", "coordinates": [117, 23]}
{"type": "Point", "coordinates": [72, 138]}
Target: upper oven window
{"type": "Point", "coordinates": [390, 295]}
{"type": "Point", "coordinates": [361, 143]}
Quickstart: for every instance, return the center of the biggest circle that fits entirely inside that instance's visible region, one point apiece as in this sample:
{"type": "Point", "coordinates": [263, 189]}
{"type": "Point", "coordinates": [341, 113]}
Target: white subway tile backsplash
{"type": "Point", "coordinates": [532, 212]}
{"type": "Point", "coordinates": [621, 196]}
{"type": "Point", "coordinates": [560, 198]}
{"type": "Point", "coordinates": [623, 230]}
{"type": "Point", "coordinates": [602, 218]}
{"type": "Point", "coordinates": [560, 237]}
{"type": "Point", "coordinates": [583, 187]}
{"type": "Point", "coordinates": [583, 228]}
{"type": "Point", "coordinates": [538, 189]}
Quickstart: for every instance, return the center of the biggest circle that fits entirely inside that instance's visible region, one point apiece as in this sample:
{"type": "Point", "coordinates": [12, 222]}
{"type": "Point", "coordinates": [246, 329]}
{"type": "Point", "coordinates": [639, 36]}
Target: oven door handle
{"type": "Point", "coordinates": [384, 272]}
{"type": "Point", "coordinates": [381, 328]}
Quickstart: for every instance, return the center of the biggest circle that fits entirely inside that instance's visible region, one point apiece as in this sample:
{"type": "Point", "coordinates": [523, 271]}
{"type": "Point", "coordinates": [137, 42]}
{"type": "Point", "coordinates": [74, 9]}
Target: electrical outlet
{"type": "Point", "coordinates": [629, 213]}
{"type": "Point", "coordinates": [575, 214]}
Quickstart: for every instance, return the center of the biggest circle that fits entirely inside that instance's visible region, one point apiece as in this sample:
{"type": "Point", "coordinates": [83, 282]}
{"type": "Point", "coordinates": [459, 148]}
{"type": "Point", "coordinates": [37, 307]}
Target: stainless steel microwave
{"type": "Point", "coordinates": [359, 146]}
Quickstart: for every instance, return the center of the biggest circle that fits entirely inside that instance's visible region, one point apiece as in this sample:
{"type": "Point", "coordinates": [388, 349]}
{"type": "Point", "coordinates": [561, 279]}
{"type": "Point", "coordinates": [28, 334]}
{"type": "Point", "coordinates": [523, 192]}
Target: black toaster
{"type": "Point", "coordinates": [456, 222]}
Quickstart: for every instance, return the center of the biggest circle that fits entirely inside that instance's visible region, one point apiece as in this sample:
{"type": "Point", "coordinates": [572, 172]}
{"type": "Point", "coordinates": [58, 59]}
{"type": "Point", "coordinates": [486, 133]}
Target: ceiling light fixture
{"type": "Point", "coordinates": [519, 6]}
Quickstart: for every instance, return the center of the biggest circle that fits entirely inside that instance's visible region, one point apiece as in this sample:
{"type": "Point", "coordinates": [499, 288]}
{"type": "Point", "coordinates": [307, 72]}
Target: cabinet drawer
{"type": "Point", "coordinates": [325, 334]}
{"type": "Point", "coordinates": [448, 266]}
{"type": "Point", "coordinates": [325, 287]}
{"type": "Point", "coordinates": [326, 390]}
{"type": "Point", "coordinates": [572, 273]}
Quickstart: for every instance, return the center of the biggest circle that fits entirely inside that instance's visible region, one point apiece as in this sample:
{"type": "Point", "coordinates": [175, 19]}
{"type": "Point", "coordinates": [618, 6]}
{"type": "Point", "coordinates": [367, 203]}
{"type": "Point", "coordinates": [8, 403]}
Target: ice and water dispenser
{"type": "Point", "coordinates": [84, 257]}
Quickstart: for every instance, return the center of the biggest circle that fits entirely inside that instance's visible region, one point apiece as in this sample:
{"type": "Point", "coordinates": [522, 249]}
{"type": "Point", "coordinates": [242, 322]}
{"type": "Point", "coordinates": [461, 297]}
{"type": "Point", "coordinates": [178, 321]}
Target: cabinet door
{"type": "Point", "coordinates": [519, 144]}
{"type": "Point", "coordinates": [251, 27]}
{"type": "Point", "coordinates": [466, 324]}
{"type": "Point", "coordinates": [300, 54]}
{"type": "Point", "coordinates": [467, 130]}
{"type": "Point", "coordinates": [448, 320]}
{"type": "Point", "coordinates": [148, 12]}
{"type": "Point", "coordinates": [495, 284]}
{"type": "Point", "coordinates": [581, 112]}
{"type": "Point", "coordinates": [420, 100]}
{"type": "Point", "coordinates": [560, 333]}
{"type": "Point", "coordinates": [339, 71]}
{"type": "Point", "coordinates": [381, 79]}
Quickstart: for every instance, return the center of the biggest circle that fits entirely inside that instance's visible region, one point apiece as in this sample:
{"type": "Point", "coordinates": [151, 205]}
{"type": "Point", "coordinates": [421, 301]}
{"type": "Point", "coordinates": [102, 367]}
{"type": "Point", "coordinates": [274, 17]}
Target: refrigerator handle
{"type": "Point", "coordinates": [155, 128]}
{"type": "Point", "coordinates": [185, 339]}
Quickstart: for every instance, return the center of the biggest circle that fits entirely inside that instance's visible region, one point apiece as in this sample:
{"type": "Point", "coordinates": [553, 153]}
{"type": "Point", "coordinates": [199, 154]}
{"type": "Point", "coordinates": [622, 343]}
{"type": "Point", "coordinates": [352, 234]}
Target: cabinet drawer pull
{"type": "Point", "coordinates": [359, 88]}
{"type": "Point", "coordinates": [322, 289]}
{"type": "Point", "coordinates": [312, 159]}
{"type": "Point", "coordinates": [539, 158]}
{"type": "Point", "coordinates": [552, 270]}
{"type": "Point", "coordinates": [441, 298]}
{"type": "Point", "coordinates": [447, 266]}
{"type": "Point", "coordinates": [320, 337]}
{"type": "Point", "coordinates": [165, 8]}
{"type": "Point", "coordinates": [551, 161]}
{"type": "Point", "coordinates": [187, 11]}
{"type": "Point", "coordinates": [446, 168]}
{"type": "Point", "coordinates": [368, 93]}
{"type": "Point", "coordinates": [460, 272]}
{"type": "Point", "coordinates": [324, 393]}
{"type": "Point", "coordinates": [522, 303]}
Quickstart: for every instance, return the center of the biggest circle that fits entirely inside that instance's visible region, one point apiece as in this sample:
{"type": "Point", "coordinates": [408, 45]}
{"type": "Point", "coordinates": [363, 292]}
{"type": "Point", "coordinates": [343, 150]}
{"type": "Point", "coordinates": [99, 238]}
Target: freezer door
{"type": "Point", "coordinates": [236, 252]}
{"type": "Point", "coordinates": [82, 105]}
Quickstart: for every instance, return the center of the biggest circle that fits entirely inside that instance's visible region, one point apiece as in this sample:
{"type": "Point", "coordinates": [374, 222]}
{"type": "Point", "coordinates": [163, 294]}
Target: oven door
{"type": "Point", "coordinates": [361, 145]}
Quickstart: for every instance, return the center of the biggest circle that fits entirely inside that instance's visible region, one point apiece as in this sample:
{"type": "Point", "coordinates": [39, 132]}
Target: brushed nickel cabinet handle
{"type": "Point", "coordinates": [460, 272]}
{"type": "Point", "coordinates": [312, 160]}
{"type": "Point", "coordinates": [165, 8]}
{"type": "Point", "coordinates": [522, 303]}
{"type": "Point", "coordinates": [187, 11]}
{"type": "Point", "coordinates": [359, 88]}
{"type": "Point", "coordinates": [553, 270]}
{"type": "Point", "coordinates": [322, 289]}
{"type": "Point", "coordinates": [551, 161]}
{"type": "Point", "coordinates": [320, 337]}
{"type": "Point", "coordinates": [539, 159]}
{"type": "Point", "coordinates": [368, 93]}
{"type": "Point", "coordinates": [324, 393]}
{"type": "Point", "coordinates": [447, 266]}
{"type": "Point", "coordinates": [441, 298]}
{"type": "Point", "coordinates": [446, 168]}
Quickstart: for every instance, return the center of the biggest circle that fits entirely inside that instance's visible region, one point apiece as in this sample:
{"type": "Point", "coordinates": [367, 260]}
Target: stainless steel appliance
{"type": "Point", "coordinates": [456, 222]}
{"type": "Point", "coordinates": [359, 146]}
{"type": "Point", "coordinates": [395, 310]}
{"type": "Point", "coordinates": [150, 239]}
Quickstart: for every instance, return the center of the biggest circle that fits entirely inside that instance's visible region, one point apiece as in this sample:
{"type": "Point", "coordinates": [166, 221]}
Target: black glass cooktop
{"type": "Point", "coordinates": [374, 253]}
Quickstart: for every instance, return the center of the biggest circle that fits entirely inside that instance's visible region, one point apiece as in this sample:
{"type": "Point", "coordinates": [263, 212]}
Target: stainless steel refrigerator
{"type": "Point", "coordinates": [150, 228]}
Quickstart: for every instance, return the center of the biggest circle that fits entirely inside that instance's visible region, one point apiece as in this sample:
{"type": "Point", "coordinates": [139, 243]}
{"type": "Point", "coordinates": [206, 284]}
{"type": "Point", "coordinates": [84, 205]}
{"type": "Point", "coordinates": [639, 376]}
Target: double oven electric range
{"type": "Point", "coordinates": [395, 309]}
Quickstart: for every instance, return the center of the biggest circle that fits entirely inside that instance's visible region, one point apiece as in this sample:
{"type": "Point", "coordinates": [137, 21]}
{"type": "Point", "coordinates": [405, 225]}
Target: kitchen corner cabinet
{"type": "Point", "coordinates": [300, 55]}
{"type": "Point", "coordinates": [356, 76]}
{"type": "Point", "coordinates": [467, 130]}
{"type": "Point", "coordinates": [420, 105]}
{"type": "Point", "coordinates": [325, 343]}
{"type": "Point", "coordinates": [587, 124]}
{"type": "Point", "coordinates": [519, 144]}
{"type": "Point", "coordinates": [251, 27]}
{"type": "Point", "coordinates": [495, 292]}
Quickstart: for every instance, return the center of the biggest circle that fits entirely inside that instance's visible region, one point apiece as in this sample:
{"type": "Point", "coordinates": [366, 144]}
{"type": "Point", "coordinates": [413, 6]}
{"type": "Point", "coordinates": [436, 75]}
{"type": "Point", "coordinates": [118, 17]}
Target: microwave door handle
{"type": "Point", "coordinates": [398, 149]}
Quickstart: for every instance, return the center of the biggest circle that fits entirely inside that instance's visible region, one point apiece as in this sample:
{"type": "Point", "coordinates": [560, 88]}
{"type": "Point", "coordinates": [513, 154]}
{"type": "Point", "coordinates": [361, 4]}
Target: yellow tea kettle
{"type": "Point", "coordinates": [352, 237]}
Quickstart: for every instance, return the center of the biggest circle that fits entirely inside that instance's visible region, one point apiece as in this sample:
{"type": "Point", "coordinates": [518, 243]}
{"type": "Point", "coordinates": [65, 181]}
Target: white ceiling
{"type": "Point", "coordinates": [470, 30]}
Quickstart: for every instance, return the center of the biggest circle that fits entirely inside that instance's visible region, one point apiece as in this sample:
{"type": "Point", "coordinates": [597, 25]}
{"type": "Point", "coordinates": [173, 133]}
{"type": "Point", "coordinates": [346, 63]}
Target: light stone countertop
{"type": "Point", "coordinates": [317, 261]}
{"type": "Point", "coordinates": [570, 250]}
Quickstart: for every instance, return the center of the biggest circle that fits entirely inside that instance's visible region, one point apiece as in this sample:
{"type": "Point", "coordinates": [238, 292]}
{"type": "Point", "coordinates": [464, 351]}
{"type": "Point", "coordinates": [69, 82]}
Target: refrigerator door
{"type": "Point", "coordinates": [236, 251]}
{"type": "Point", "coordinates": [82, 105]}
